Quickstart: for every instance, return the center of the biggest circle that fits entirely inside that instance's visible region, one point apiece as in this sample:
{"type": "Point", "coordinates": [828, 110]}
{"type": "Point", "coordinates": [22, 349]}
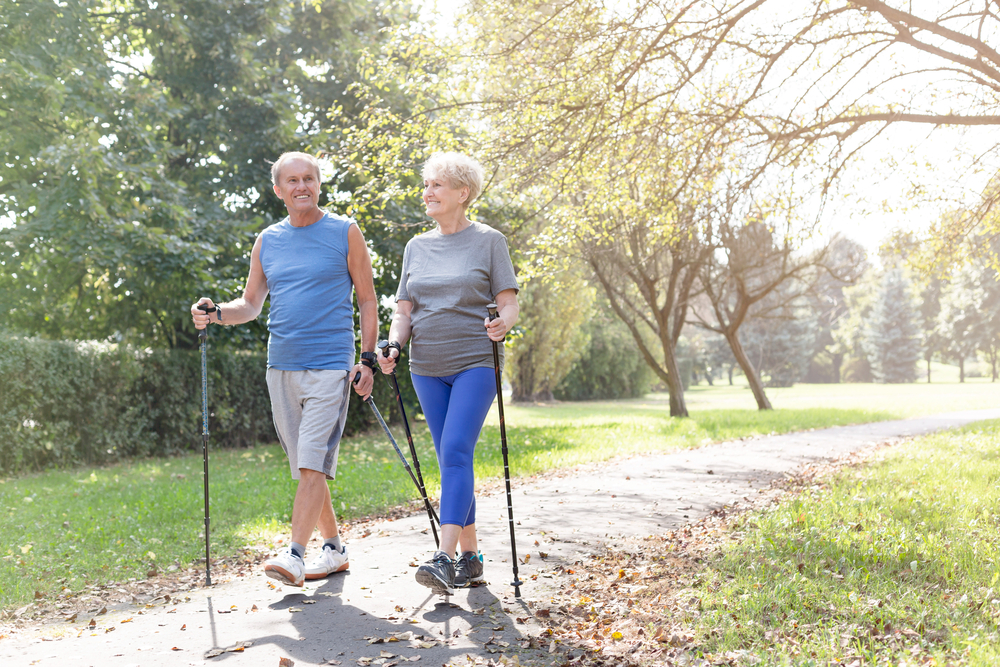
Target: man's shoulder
{"type": "Point", "coordinates": [336, 220]}
{"type": "Point", "coordinates": [275, 227]}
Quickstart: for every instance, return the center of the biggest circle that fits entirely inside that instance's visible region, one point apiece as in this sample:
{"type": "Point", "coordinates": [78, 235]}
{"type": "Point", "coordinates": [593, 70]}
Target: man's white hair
{"type": "Point", "coordinates": [293, 155]}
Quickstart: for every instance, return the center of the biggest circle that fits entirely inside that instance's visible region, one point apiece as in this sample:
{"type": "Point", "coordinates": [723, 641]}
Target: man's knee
{"type": "Point", "coordinates": [310, 476]}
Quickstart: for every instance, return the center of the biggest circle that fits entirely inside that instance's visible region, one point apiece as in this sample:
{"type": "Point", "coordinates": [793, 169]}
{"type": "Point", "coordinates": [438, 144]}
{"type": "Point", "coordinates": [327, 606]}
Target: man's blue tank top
{"type": "Point", "coordinates": [311, 320]}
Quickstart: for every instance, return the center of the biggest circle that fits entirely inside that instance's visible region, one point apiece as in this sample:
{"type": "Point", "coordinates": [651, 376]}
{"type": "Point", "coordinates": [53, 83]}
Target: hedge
{"type": "Point", "coordinates": [65, 403]}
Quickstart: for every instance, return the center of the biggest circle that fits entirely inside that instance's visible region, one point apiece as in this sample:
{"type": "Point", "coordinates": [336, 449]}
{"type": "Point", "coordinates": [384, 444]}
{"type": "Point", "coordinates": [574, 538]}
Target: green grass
{"type": "Point", "coordinates": [893, 563]}
{"type": "Point", "coordinates": [71, 528]}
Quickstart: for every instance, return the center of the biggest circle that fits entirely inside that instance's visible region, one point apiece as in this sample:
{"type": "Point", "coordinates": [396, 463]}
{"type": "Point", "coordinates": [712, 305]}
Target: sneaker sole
{"type": "Point", "coordinates": [281, 574]}
{"type": "Point", "coordinates": [313, 577]}
{"type": "Point", "coordinates": [428, 579]}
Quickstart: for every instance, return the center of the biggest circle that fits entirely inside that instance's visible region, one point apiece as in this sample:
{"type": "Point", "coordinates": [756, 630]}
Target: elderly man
{"type": "Point", "coordinates": [309, 263]}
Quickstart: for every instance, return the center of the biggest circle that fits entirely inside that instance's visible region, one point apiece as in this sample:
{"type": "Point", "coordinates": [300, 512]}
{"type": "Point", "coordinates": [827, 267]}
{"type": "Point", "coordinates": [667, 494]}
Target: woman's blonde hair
{"type": "Point", "coordinates": [293, 155]}
{"type": "Point", "coordinates": [460, 170]}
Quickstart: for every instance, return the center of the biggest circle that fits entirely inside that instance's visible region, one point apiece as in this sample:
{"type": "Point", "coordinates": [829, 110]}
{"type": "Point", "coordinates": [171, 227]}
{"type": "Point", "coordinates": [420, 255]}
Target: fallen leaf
{"type": "Point", "coordinates": [292, 610]}
{"type": "Point", "coordinates": [72, 619]}
{"type": "Point", "coordinates": [111, 629]}
{"type": "Point", "coordinates": [214, 652]}
{"type": "Point", "coordinates": [400, 609]}
{"type": "Point", "coordinates": [127, 620]}
{"type": "Point", "coordinates": [616, 635]}
{"type": "Point", "coordinates": [309, 602]}
{"type": "Point", "coordinates": [254, 608]}
{"type": "Point", "coordinates": [174, 648]}
{"type": "Point", "coordinates": [38, 594]}
{"type": "Point", "coordinates": [184, 627]}
{"type": "Point", "coordinates": [285, 662]}
{"type": "Point", "coordinates": [93, 623]}
{"type": "Point", "coordinates": [386, 654]}
{"type": "Point", "coordinates": [543, 613]}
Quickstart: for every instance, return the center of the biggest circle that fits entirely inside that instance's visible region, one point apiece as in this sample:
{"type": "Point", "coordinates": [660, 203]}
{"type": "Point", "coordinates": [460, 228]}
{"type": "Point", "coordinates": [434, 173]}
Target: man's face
{"type": "Point", "coordinates": [298, 186]}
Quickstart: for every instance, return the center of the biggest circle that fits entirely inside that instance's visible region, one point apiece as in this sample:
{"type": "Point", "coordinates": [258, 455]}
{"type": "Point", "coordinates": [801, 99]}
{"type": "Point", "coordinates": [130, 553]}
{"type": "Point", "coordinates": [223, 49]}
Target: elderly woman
{"type": "Point", "coordinates": [449, 276]}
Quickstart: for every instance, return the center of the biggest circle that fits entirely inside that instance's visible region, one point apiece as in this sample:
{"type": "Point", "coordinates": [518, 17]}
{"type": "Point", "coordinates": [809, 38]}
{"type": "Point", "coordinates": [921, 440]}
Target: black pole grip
{"type": "Point", "coordinates": [205, 308]}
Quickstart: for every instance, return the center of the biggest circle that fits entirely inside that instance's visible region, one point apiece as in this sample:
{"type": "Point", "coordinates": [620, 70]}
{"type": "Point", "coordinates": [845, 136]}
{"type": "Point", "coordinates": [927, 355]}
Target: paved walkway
{"type": "Point", "coordinates": [377, 614]}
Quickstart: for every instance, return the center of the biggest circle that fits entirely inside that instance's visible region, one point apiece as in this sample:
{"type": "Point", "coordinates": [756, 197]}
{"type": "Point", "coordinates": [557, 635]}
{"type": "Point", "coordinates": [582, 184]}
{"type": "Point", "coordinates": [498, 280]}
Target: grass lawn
{"type": "Point", "coordinates": [62, 530]}
{"type": "Point", "coordinates": [892, 563]}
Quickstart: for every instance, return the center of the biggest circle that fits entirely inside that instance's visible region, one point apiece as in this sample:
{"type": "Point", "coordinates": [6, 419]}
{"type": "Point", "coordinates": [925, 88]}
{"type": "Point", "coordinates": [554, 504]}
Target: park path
{"type": "Point", "coordinates": [377, 614]}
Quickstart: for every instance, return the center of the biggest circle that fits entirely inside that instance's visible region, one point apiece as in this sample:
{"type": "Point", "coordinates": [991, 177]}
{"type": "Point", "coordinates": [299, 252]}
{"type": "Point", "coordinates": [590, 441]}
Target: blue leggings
{"type": "Point", "coordinates": [455, 407]}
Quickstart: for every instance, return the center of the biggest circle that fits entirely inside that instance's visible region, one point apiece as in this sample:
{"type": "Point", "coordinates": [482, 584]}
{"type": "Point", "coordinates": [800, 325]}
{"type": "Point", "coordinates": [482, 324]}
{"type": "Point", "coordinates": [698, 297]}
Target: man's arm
{"type": "Point", "coordinates": [359, 264]}
{"type": "Point", "coordinates": [243, 309]}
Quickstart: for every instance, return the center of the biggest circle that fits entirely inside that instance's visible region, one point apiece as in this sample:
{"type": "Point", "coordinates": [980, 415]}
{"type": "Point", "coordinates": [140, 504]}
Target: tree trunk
{"type": "Point", "coordinates": [756, 386]}
{"type": "Point", "coordinates": [678, 407]}
{"type": "Point", "coordinates": [732, 367]}
{"type": "Point", "coordinates": [837, 360]}
{"type": "Point", "coordinates": [928, 370]}
{"type": "Point", "coordinates": [961, 369]}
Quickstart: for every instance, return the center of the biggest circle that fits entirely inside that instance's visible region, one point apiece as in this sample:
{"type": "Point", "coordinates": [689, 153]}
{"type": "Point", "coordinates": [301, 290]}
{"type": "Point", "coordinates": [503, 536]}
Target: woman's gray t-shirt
{"type": "Point", "coordinates": [449, 279]}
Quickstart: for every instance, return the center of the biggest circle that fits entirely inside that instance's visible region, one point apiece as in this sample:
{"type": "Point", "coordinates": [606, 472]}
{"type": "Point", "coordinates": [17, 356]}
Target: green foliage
{"type": "Point", "coordinates": [549, 337]}
{"type": "Point", "coordinates": [879, 550]}
{"type": "Point", "coordinates": [780, 349]}
{"type": "Point", "coordinates": [136, 141]}
{"type": "Point", "coordinates": [893, 338]}
{"type": "Point", "coordinates": [64, 404]}
{"type": "Point", "coordinates": [609, 366]}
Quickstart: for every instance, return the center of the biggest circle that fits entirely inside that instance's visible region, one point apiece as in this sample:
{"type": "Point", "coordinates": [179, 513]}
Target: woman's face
{"type": "Point", "coordinates": [441, 199]}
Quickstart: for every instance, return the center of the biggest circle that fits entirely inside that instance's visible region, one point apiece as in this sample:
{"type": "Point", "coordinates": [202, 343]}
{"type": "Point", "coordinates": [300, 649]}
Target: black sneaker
{"type": "Point", "coordinates": [468, 570]}
{"type": "Point", "coordinates": [438, 573]}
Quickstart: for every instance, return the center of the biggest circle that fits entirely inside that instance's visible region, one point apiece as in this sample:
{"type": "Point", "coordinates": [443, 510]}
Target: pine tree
{"type": "Point", "coordinates": [892, 340]}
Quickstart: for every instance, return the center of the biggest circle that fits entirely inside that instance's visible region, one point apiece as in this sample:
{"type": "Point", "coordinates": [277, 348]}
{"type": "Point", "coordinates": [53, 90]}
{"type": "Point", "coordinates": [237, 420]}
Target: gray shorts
{"type": "Point", "coordinates": [310, 411]}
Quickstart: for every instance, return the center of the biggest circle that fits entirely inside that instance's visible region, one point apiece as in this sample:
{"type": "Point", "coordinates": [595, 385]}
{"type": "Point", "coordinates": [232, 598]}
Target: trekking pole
{"type": "Point", "coordinates": [203, 343]}
{"type": "Point", "coordinates": [492, 309]}
{"type": "Point", "coordinates": [384, 346]}
{"type": "Point", "coordinates": [399, 452]}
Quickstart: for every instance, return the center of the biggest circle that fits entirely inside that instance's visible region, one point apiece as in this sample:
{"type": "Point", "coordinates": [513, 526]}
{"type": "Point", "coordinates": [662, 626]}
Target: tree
{"type": "Point", "coordinates": [608, 366]}
{"type": "Point", "coordinates": [781, 343]}
{"type": "Point", "coordinates": [142, 179]}
{"type": "Point", "coordinates": [550, 337]}
{"type": "Point", "coordinates": [892, 338]}
{"type": "Point", "coordinates": [931, 340]}
{"type": "Point", "coordinates": [847, 262]}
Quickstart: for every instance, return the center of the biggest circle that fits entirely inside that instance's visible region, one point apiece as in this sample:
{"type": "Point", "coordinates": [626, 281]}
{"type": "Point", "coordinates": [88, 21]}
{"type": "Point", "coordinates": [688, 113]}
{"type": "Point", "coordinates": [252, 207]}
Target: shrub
{"type": "Point", "coordinates": [611, 366]}
{"type": "Point", "coordinates": [65, 403]}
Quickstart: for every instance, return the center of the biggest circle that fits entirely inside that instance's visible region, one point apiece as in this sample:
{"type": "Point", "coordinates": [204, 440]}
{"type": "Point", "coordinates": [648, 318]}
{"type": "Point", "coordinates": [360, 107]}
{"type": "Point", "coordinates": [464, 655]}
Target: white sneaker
{"type": "Point", "coordinates": [286, 567]}
{"type": "Point", "coordinates": [326, 562]}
